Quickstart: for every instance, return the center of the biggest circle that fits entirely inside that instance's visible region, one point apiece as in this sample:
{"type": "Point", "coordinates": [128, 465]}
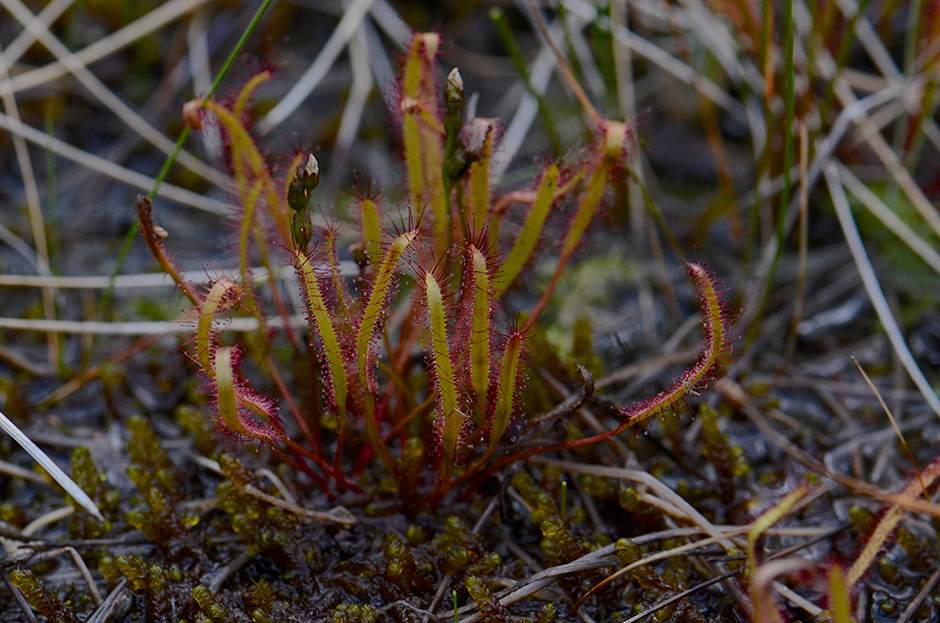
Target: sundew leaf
{"type": "Point", "coordinates": [525, 244]}
{"type": "Point", "coordinates": [248, 165]}
{"type": "Point", "coordinates": [225, 391]}
{"type": "Point", "coordinates": [507, 389]}
{"type": "Point", "coordinates": [453, 419]}
{"type": "Point", "coordinates": [224, 294]}
{"type": "Point", "coordinates": [244, 96]}
{"type": "Point", "coordinates": [768, 519]}
{"type": "Point", "coordinates": [600, 167]}
{"type": "Point", "coordinates": [376, 304]}
{"type": "Point", "coordinates": [444, 371]}
{"type": "Point", "coordinates": [231, 397]}
{"type": "Point", "coordinates": [889, 521]}
{"type": "Point", "coordinates": [839, 596]}
{"type": "Point", "coordinates": [423, 133]}
{"type": "Point", "coordinates": [478, 177]}
{"type": "Point", "coordinates": [480, 329]}
{"type": "Point", "coordinates": [324, 328]}
{"type": "Point", "coordinates": [367, 329]}
{"type": "Point", "coordinates": [371, 230]}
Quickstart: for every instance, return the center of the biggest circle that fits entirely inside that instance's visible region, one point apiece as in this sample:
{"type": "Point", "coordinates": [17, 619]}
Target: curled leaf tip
{"type": "Point", "coordinates": [192, 113]}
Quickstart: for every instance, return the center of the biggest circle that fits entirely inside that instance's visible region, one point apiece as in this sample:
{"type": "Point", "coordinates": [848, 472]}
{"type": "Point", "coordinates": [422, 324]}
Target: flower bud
{"type": "Point", "coordinates": [311, 174]}
{"type": "Point", "coordinates": [302, 184]}
{"type": "Point", "coordinates": [454, 89]}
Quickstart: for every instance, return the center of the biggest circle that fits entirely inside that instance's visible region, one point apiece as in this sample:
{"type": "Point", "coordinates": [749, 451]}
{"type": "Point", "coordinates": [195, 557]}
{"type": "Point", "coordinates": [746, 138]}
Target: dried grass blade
{"type": "Point", "coordinates": [47, 464]}
{"type": "Point", "coordinates": [873, 288]}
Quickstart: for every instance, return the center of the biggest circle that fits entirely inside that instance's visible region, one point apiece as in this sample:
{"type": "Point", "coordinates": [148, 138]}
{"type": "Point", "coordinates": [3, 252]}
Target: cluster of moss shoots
{"type": "Point", "coordinates": [416, 411]}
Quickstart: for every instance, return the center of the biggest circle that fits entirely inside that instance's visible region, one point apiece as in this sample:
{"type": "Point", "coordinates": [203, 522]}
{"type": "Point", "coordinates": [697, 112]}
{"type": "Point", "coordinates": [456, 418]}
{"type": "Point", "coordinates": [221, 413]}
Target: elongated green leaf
{"type": "Point", "coordinates": [249, 165]}
{"type": "Point", "coordinates": [367, 328]}
{"type": "Point", "coordinates": [249, 203]}
{"type": "Point", "coordinates": [236, 402]}
{"type": "Point", "coordinates": [522, 249]}
{"type": "Point", "coordinates": [244, 96]}
{"type": "Point", "coordinates": [376, 304]}
{"type": "Point", "coordinates": [336, 274]}
{"type": "Point", "coordinates": [616, 134]}
{"type": "Point", "coordinates": [768, 519]}
{"type": "Point", "coordinates": [225, 390]}
{"type": "Point", "coordinates": [482, 132]}
{"type": "Point", "coordinates": [423, 134]}
{"type": "Point", "coordinates": [324, 328]}
{"type": "Point", "coordinates": [600, 168]}
{"type": "Point", "coordinates": [371, 230]}
{"type": "Point", "coordinates": [453, 418]}
{"type": "Point", "coordinates": [480, 329]}
{"type": "Point", "coordinates": [507, 389]}
{"type": "Point", "coordinates": [839, 596]}
{"type": "Point", "coordinates": [223, 295]}
{"type": "Point", "coordinates": [444, 371]}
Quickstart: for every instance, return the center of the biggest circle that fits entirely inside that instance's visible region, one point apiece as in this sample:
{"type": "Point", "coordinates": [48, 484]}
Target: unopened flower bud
{"type": "Point", "coordinates": [311, 173]}
{"type": "Point", "coordinates": [302, 184]}
{"type": "Point", "coordinates": [454, 88]}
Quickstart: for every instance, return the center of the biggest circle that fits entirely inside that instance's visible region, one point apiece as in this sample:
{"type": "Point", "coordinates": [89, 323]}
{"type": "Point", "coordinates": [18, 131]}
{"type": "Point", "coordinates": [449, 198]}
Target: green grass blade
{"type": "Point", "coordinates": [504, 30]}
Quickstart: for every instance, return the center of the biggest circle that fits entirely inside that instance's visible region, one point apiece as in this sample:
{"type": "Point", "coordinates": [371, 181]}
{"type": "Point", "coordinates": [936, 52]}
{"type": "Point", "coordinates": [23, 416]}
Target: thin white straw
{"type": "Point", "coordinates": [47, 464]}
{"type": "Point", "coordinates": [870, 280]}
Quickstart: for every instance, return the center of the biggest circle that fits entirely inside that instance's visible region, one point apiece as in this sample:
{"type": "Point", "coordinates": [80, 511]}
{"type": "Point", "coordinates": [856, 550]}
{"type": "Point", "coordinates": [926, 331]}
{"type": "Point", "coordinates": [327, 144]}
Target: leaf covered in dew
{"type": "Point", "coordinates": [451, 418]}
{"type": "Point", "coordinates": [508, 382]}
{"type": "Point", "coordinates": [369, 322]}
{"type": "Point", "coordinates": [320, 317]}
{"type": "Point", "coordinates": [375, 306]}
{"type": "Point", "coordinates": [423, 133]}
{"type": "Point", "coordinates": [480, 144]}
{"type": "Point", "coordinates": [715, 347]}
{"type": "Point", "coordinates": [255, 184]}
{"type": "Point", "coordinates": [480, 327]}
{"type": "Point", "coordinates": [222, 296]}
{"type": "Point", "coordinates": [242, 411]}
{"type": "Point", "coordinates": [522, 249]}
{"type": "Point", "coordinates": [371, 230]}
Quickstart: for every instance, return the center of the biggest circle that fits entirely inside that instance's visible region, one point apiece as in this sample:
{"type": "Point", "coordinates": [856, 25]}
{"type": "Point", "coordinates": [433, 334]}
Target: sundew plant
{"type": "Point", "coordinates": [429, 397]}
